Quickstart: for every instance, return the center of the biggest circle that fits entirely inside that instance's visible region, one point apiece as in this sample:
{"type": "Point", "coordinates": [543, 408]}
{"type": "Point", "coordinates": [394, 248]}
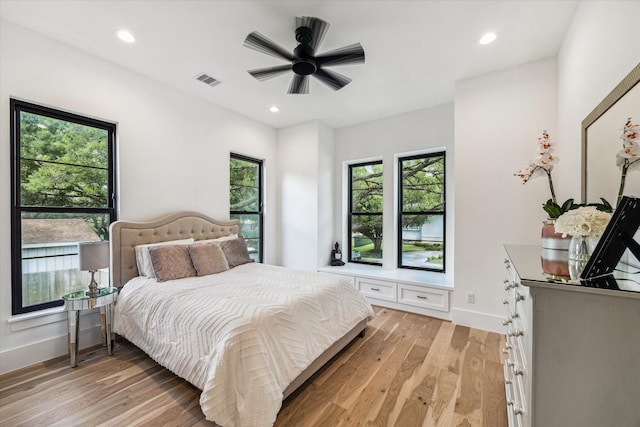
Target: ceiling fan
{"type": "Point", "coordinates": [304, 62]}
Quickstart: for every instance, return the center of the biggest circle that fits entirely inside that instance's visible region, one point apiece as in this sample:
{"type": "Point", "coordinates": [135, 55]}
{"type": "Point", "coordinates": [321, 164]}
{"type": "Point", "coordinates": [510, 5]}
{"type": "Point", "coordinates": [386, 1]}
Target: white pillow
{"type": "Point", "coordinates": [217, 239]}
{"type": "Point", "coordinates": [143, 259]}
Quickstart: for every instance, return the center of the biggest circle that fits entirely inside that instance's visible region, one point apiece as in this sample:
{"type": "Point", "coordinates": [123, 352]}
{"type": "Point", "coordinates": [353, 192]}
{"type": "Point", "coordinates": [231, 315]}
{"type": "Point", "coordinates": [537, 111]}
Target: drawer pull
{"type": "Point", "coordinates": [507, 392]}
{"type": "Point", "coordinates": [519, 297]}
{"type": "Point", "coordinates": [517, 410]}
{"type": "Point", "coordinates": [517, 371]}
{"type": "Point", "coordinates": [516, 333]}
{"type": "Point", "coordinates": [506, 322]}
{"type": "Point", "coordinates": [375, 289]}
{"type": "Point", "coordinates": [421, 297]}
{"type": "Point", "coordinates": [514, 315]}
{"type": "Point", "coordinates": [505, 301]}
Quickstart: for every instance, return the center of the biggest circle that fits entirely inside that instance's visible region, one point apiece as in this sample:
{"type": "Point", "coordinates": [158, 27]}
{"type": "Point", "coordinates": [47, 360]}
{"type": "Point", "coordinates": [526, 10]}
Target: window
{"type": "Point", "coordinates": [62, 192]}
{"type": "Point", "coordinates": [365, 213]}
{"type": "Point", "coordinates": [421, 212]}
{"type": "Point", "coordinates": [245, 199]}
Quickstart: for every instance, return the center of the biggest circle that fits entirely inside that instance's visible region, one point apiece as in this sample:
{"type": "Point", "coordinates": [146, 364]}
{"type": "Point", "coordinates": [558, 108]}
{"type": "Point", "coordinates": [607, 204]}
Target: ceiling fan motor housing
{"type": "Point", "coordinates": [303, 62]}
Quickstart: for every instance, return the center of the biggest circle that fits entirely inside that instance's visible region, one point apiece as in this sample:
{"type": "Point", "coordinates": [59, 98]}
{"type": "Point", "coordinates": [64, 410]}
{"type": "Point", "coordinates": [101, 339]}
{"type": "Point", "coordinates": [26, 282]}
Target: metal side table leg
{"type": "Point", "coordinates": [74, 324]}
{"type": "Point", "coordinates": [108, 314]}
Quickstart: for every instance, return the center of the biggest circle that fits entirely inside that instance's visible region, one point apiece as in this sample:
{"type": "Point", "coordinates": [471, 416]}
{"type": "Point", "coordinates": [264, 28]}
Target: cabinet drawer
{"type": "Point", "coordinates": [377, 289]}
{"type": "Point", "coordinates": [418, 296]}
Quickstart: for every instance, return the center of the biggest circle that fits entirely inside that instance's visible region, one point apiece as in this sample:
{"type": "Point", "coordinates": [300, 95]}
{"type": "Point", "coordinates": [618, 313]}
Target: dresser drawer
{"type": "Point", "coordinates": [418, 296]}
{"type": "Point", "coordinates": [377, 289]}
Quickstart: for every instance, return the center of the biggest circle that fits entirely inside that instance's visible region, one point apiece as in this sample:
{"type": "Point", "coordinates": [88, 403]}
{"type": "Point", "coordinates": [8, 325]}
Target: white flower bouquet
{"type": "Point", "coordinates": [583, 221]}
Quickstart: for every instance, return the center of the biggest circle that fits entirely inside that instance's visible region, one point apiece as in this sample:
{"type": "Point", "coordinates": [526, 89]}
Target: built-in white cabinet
{"type": "Point", "coordinates": [377, 289]}
{"type": "Point", "coordinates": [572, 349]}
{"type": "Point", "coordinates": [412, 291]}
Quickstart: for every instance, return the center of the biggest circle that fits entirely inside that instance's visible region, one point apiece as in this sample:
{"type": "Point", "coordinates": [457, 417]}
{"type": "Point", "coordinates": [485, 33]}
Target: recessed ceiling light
{"type": "Point", "coordinates": [126, 36]}
{"type": "Point", "coordinates": [274, 109]}
{"type": "Point", "coordinates": [487, 38]}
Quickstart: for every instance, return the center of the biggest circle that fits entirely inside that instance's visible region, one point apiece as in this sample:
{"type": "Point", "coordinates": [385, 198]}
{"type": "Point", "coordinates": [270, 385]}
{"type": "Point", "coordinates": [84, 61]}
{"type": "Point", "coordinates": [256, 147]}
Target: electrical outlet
{"type": "Point", "coordinates": [471, 297]}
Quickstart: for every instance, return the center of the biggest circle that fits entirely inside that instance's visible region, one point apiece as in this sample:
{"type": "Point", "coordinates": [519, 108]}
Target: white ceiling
{"type": "Point", "coordinates": [415, 50]}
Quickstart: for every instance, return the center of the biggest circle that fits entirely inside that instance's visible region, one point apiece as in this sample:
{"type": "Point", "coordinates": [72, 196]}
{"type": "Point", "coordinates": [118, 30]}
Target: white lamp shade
{"type": "Point", "coordinates": [93, 255]}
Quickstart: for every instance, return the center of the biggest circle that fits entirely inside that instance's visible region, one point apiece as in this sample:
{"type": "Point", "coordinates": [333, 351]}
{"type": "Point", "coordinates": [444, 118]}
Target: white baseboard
{"type": "Point", "coordinates": [21, 357]}
{"type": "Point", "coordinates": [478, 320]}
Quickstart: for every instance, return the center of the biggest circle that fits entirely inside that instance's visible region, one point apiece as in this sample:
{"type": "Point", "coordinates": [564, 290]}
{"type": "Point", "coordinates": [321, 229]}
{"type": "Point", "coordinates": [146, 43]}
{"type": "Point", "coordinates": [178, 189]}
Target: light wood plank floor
{"type": "Point", "coordinates": [409, 370]}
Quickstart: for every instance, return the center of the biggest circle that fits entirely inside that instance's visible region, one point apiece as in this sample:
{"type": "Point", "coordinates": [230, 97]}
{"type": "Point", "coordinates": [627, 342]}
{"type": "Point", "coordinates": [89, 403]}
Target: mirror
{"type": "Point", "coordinates": [601, 131]}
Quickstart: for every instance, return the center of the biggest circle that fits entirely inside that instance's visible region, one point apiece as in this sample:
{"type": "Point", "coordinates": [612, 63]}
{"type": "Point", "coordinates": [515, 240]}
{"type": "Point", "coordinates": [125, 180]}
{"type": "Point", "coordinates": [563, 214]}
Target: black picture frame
{"type": "Point", "coordinates": [617, 237]}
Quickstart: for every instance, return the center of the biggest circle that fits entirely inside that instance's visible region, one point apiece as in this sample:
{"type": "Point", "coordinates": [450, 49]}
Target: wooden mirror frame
{"type": "Point", "coordinates": [609, 101]}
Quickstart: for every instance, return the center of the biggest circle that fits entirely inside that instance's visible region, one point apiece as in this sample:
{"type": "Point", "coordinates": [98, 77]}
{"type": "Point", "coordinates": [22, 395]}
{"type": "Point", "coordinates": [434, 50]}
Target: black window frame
{"type": "Point", "coordinates": [442, 213]}
{"type": "Point", "coordinates": [260, 211]}
{"type": "Point", "coordinates": [16, 107]}
{"type": "Point", "coordinates": [351, 213]}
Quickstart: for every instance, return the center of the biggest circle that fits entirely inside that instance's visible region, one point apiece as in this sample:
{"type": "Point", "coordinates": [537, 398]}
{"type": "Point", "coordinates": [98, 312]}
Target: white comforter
{"type": "Point", "coordinates": [240, 336]}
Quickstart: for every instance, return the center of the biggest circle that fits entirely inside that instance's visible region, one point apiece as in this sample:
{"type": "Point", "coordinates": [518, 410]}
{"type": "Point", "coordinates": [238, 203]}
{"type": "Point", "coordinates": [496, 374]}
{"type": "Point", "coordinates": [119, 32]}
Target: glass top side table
{"type": "Point", "coordinates": [78, 301]}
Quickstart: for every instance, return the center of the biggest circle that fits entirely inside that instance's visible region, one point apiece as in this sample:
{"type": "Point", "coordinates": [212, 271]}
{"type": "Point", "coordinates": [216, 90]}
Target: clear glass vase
{"type": "Point", "coordinates": [580, 250]}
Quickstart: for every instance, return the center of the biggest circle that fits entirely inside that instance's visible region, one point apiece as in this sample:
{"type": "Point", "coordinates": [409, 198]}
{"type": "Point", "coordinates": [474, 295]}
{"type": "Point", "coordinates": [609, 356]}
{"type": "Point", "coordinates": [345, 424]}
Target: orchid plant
{"type": "Point", "coordinates": [542, 165]}
{"type": "Point", "coordinates": [628, 158]}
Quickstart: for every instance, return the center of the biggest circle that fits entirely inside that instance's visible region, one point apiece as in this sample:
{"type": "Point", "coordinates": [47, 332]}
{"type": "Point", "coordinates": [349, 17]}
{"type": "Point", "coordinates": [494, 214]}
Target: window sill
{"type": "Point", "coordinates": [35, 319]}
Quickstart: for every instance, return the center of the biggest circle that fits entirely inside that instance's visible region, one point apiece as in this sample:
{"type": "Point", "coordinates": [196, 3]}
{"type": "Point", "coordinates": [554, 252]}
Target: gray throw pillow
{"type": "Point", "coordinates": [236, 252]}
{"type": "Point", "coordinates": [171, 262]}
{"type": "Point", "coordinates": [208, 258]}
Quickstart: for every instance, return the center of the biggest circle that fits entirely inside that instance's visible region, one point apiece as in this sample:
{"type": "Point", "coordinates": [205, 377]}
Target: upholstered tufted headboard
{"type": "Point", "coordinates": [125, 236]}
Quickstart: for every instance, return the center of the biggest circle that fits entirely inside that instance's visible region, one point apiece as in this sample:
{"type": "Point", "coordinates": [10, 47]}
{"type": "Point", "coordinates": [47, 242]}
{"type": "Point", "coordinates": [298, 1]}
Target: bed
{"type": "Point", "coordinates": [248, 336]}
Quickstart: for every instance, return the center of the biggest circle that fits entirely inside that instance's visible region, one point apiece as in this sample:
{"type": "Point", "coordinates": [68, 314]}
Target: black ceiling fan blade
{"type": "Point", "coordinates": [269, 72]}
{"type": "Point", "coordinates": [332, 79]}
{"type": "Point", "coordinates": [318, 28]}
{"type": "Point", "coordinates": [257, 41]}
{"type": "Point", "coordinates": [352, 54]}
{"type": "Point", "coordinates": [299, 84]}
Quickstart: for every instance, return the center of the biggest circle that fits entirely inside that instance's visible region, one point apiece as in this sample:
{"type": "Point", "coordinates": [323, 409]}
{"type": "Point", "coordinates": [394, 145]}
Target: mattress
{"type": "Point", "coordinates": [240, 336]}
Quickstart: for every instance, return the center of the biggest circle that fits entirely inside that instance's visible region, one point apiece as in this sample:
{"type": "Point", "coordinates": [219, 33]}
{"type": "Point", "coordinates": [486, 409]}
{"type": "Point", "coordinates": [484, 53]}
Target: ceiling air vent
{"type": "Point", "coordinates": [207, 79]}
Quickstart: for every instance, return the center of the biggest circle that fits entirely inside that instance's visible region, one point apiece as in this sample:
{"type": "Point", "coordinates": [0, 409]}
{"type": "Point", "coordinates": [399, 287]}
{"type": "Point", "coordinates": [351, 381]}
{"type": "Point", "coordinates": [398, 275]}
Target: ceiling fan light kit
{"type": "Point", "coordinates": [303, 62]}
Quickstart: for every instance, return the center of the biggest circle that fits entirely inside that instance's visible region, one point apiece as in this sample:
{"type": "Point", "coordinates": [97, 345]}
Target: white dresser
{"type": "Point", "coordinates": [572, 351]}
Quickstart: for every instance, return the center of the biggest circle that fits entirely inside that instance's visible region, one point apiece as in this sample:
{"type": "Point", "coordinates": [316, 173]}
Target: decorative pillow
{"type": "Point", "coordinates": [144, 261]}
{"type": "Point", "coordinates": [236, 252]}
{"type": "Point", "coordinates": [208, 258]}
{"type": "Point", "coordinates": [171, 262]}
{"type": "Point", "coordinates": [218, 239]}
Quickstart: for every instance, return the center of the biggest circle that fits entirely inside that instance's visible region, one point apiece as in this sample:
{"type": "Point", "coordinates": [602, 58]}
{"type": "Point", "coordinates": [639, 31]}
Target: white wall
{"type": "Point", "coordinates": [498, 118]}
{"type": "Point", "coordinates": [297, 196]}
{"type": "Point", "coordinates": [305, 181]}
{"type": "Point", "coordinates": [599, 50]}
{"type": "Point", "coordinates": [382, 139]}
{"type": "Point", "coordinates": [173, 152]}
{"type": "Point", "coordinates": [326, 155]}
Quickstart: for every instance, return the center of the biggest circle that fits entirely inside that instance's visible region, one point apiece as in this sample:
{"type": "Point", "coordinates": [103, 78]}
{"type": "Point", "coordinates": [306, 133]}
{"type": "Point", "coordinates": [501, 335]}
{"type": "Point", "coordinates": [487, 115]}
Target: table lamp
{"type": "Point", "coordinates": [93, 257]}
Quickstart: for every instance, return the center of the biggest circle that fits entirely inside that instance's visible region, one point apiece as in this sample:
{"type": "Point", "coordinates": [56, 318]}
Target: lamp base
{"type": "Point", "coordinates": [93, 290]}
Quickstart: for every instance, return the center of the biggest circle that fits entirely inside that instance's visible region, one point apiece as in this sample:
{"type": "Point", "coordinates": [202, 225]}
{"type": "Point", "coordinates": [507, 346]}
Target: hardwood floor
{"type": "Point", "coordinates": [408, 370]}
